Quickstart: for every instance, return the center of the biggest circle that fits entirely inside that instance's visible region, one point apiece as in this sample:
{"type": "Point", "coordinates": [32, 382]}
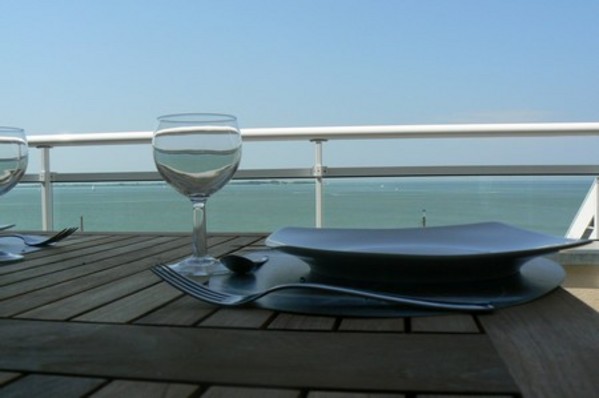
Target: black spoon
{"type": "Point", "coordinates": [242, 265]}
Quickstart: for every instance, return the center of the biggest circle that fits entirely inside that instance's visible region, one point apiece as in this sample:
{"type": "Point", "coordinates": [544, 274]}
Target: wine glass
{"type": "Point", "coordinates": [13, 163]}
{"type": "Point", "coordinates": [197, 154]}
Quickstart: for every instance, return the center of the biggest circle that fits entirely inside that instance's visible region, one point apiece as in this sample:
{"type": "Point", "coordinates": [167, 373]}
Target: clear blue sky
{"type": "Point", "coordinates": [115, 65]}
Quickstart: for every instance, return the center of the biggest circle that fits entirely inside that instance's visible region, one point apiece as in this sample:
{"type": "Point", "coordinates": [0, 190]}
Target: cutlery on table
{"type": "Point", "coordinates": [42, 241]}
{"type": "Point", "coordinates": [202, 292]}
{"type": "Point", "coordinates": [6, 226]}
{"type": "Point", "coordinates": [242, 265]}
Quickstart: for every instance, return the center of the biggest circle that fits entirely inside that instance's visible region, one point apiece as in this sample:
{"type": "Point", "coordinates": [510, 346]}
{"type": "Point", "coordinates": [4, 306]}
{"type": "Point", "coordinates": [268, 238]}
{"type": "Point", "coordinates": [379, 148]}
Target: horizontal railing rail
{"type": "Point", "coordinates": [319, 170]}
{"type": "Point", "coordinates": [343, 172]}
{"type": "Point", "coordinates": [343, 133]}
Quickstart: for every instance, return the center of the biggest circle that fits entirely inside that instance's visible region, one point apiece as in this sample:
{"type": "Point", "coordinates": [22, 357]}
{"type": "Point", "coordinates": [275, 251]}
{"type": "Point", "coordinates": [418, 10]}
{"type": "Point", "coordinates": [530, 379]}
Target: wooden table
{"type": "Point", "coordinates": [88, 318]}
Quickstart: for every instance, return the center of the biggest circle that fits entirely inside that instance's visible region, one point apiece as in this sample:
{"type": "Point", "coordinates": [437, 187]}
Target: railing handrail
{"type": "Point", "coordinates": [342, 132]}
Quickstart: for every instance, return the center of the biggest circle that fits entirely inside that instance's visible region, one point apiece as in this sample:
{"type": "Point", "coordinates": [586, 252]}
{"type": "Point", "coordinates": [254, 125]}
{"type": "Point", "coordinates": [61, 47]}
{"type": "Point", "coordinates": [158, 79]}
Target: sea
{"type": "Point", "coordinates": [543, 204]}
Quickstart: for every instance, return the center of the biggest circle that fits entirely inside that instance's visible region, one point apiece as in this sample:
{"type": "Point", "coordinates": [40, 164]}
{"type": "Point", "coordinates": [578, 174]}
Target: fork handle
{"type": "Point", "coordinates": [391, 298]}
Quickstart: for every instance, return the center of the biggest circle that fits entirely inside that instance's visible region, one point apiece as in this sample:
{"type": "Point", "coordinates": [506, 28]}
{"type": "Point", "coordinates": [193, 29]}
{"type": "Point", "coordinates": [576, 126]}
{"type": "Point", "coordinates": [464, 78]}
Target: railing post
{"type": "Point", "coordinates": [47, 195]}
{"type": "Point", "coordinates": [595, 232]}
{"type": "Point", "coordinates": [318, 172]}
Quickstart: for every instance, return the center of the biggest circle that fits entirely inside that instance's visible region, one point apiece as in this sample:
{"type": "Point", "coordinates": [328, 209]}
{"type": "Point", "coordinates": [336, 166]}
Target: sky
{"type": "Point", "coordinates": [81, 66]}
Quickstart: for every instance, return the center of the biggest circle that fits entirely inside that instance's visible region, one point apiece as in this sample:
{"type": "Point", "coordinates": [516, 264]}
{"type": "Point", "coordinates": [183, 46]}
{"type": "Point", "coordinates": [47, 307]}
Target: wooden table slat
{"type": "Point", "coordinates": [47, 261]}
{"type": "Point", "coordinates": [86, 277]}
{"type": "Point", "coordinates": [385, 362]}
{"type": "Point", "coordinates": [129, 388]}
{"type": "Point", "coordinates": [50, 386]}
{"type": "Point", "coordinates": [343, 394]}
{"type": "Point", "coordinates": [373, 324]}
{"type": "Point", "coordinates": [302, 322]}
{"type": "Point", "coordinates": [5, 377]}
{"type": "Point", "coordinates": [133, 306]}
{"type": "Point", "coordinates": [87, 300]}
{"type": "Point", "coordinates": [253, 318]}
{"type": "Point", "coordinates": [549, 347]}
{"type": "Point", "coordinates": [184, 311]}
{"type": "Point", "coordinates": [460, 323]}
{"type": "Point", "coordinates": [463, 396]}
{"type": "Point", "coordinates": [249, 392]}
{"type": "Point", "coordinates": [84, 265]}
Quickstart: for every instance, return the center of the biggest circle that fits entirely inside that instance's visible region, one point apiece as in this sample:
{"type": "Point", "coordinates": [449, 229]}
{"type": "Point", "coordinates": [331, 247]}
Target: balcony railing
{"type": "Point", "coordinates": [318, 169]}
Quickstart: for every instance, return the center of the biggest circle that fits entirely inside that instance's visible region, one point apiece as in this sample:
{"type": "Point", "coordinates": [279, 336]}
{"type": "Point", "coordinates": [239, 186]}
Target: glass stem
{"type": "Point", "coordinates": [199, 243]}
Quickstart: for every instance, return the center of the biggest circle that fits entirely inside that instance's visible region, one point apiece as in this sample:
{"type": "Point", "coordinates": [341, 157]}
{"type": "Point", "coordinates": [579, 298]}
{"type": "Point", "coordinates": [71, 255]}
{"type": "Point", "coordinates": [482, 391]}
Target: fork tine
{"type": "Point", "coordinates": [162, 272]}
{"type": "Point", "coordinates": [57, 235]}
{"type": "Point", "coordinates": [65, 233]}
{"type": "Point", "coordinates": [180, 287]}
{"type": "Point", "coordinates": [69, 232]}
{"type": "Point", "coordinates": [180, 279]}
{"type": "Point", "coordinates": [60, 235]}
{"type": "Point", "coordinates": [197, 287]}
{"type": "Point", "coordinates": [44, 242]}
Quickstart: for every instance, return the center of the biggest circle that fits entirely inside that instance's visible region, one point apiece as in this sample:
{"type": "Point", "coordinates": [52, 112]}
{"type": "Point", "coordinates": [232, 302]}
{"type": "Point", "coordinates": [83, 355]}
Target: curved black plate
{"type": "Point", "coordinates": [535, 278]}
{"type": "Point", "coordinates": [469, 252]}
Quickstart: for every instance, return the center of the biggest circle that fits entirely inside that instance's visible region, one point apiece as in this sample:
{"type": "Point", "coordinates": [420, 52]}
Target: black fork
{"type": "Point", "coordinates": [202, 292]}
{"type": "Point", "coordinates": [36, 241]}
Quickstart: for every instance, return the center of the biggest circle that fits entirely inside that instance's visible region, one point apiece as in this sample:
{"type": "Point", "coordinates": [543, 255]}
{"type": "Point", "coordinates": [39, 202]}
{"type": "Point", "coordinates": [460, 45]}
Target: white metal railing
{"type": "Point", "coordinates": [584, 225]}
{"type": "Point", "coordinates": [344, 133]}
{"type": "Point", "coordinates": [318, 171]}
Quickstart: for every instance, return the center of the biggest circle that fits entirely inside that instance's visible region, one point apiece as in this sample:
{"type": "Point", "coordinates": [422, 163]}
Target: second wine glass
{"type": "Point", "coordinates": [13, 163]}
{"type": "Point", "coordinates": [197, 154]}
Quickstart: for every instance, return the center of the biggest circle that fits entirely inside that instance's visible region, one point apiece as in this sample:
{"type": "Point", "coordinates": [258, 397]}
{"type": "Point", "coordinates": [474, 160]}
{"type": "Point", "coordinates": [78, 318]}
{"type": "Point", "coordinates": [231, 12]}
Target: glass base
{"type": "Point", "coordinates": [200, 266]}
{"type": "Point", "coordinates": [6, 256]}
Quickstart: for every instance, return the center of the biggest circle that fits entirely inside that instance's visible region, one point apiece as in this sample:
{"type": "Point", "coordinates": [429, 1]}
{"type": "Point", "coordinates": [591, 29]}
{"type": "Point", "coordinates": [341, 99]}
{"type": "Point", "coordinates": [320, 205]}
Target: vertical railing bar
{"type": "Point", "coordinates": [318, 172]}
{"type": "Point", "coordinates": [595, 231]}
{"type": "Point", "coordinates": [47, 197]}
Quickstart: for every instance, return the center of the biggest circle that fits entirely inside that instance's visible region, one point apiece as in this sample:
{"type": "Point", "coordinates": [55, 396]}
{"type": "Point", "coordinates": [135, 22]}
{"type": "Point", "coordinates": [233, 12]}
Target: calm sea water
{"type": "Point", "coordinates": [544, 204]}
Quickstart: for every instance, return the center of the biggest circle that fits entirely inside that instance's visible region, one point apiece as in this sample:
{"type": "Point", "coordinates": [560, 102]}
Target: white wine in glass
{"type": "Point", "coordinates": [197, 154]}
